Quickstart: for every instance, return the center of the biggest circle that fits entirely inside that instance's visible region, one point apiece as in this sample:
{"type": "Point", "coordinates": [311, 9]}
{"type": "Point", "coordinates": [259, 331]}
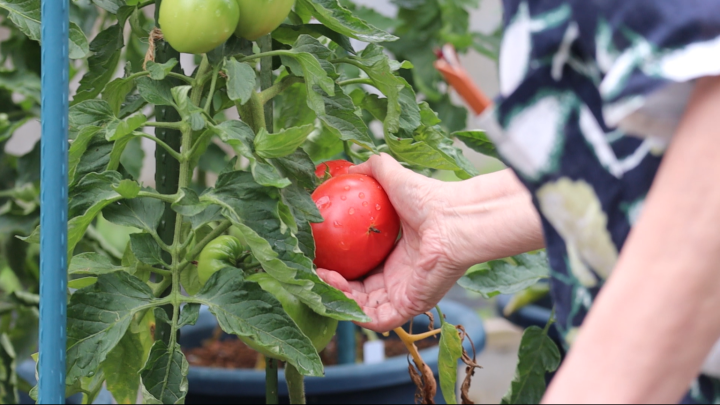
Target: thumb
{"type": "Point", "coordinates": [383, 168]}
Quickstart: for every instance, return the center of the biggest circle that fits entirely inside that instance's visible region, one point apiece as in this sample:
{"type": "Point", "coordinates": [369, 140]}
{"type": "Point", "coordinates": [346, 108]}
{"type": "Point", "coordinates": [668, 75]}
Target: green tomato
{"type": "Point", "coordinates": [318, 328]}
{"type": "Point", "coordinates": [261, 17]}
{"type": "Point", "coordinates": [198, 26]}
{"type": "Point", "coordinates": [223, 251]}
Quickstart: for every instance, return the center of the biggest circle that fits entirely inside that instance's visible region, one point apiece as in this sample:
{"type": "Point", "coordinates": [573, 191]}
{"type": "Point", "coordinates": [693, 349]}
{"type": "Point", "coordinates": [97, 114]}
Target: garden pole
{"type": "Point", "coordinates": [53, 200]}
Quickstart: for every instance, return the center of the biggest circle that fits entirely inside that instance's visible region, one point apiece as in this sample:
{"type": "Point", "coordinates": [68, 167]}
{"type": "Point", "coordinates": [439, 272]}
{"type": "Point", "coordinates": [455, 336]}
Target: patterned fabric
{"type": "Point", "coordinates": [591, 93]}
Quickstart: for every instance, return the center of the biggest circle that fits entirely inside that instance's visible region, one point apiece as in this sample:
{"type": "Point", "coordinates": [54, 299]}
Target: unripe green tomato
{"type": "Point", "coordinates": [261, 17]}
{"type": "Point", "coordinates": [223, 251]}
{"type": "Point", "coordinates": [198, 26]}
{"type": "Point", "coordinates": [318, 328]}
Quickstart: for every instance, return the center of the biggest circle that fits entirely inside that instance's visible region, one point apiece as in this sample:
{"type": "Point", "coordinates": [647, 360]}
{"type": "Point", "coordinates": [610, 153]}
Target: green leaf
{"type": "Point", "coordinates": [189, 203]}
{"type": "Point", "coordinates": [340, 119]}
{"type": "Point", "coordinates": [244, 309]}
{"type": "Point", "coordinates": [128, 188]}
{"type": "Point", "coordinates": [78, 148]}
{"type": "Point", "coordinates": [281, 143]}
{"type": "Point", "coordinates": [143, 213]}
{"type": "Point", "coordinates": [298, 167]}
{"type": "Point", "coordinates": [92, 263]}
{"type": "Point", "coordinates": [190, 280]}
{"type": "Point", "coordinates": [502, 277]}
{"type": "Point", "coordinates": [79, 283]}
{"type": "Point", "coordinates": [146, 249]}
{"type": "Point", "coordinates": [21, 82]}
{"type": "Point", "coordinates": [26, 16]}
{"type": "Point", "coordinates": [120, 128]}
{"type": "Point", "coordinates": [116, 92]}
{"type": "Point", "coordinates": [288, 34]}
{"type": "Point", "coordinates": [181, 99]}
{"type": "Point", "coordinates": [90, 113]}
{"type": "Point", "coordinates": [111, 5]}
{"type": "Point", "coordinates": [450, 352]}
{"type": "Point", "coordinates": [122, 366]}
{"type": "Point", "coordinates": [156, 92]}
{"type": "Point", "coordinates": [165, 374]}
{"type": "Point", "coordinates": [254, 210]}
{"type": "Point", "coordinates": [341, 20]}
{"type": "Point", "coordinates": [241, 80]}
{"type": "Point", "coordinates": [189, 315]}
{"type": "Point", "coordinates": [538, 355]}
{"type": "Point", "coordinates": [376, 64]}
{"type": "Point", "coordinates": [240, 136]}
{"type": "Point", "coordinates": [159, 71]}
{"type": "Point", "coordinates": [98, 317]}
{"type": "Point", "coordinates": [311, 70]}
{"type": "Point", "coordinates": [107, 47]}
{"type": "Point", "coordinates": [8, 378]}
{"type": "Point", "coordinates": [477, 141]}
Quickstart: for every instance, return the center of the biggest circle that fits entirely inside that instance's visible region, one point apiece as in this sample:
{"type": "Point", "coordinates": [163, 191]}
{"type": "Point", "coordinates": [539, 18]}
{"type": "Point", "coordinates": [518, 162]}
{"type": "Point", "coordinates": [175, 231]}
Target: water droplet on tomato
{"type": "Point", "coordinates": [377, 207]}
{"type": "Point", "coordinates": [323, 202]}
{"type": "Point", "coordinates": [361, 195]}
{"type": "Point", "coordinates": [337, 223]}
{"type": "Point", "coordinates": [351, 211]}
{"type": "Point", "coordinates": [347, 188]}
{"type": "Point", "coordinates": [362, 179]}
{"type": "Point", "coordinates": [342, 197]}
{"type": "Point", "coordinates": [372, 218]}
{"type": "Point", "coordinates": [365, 204]}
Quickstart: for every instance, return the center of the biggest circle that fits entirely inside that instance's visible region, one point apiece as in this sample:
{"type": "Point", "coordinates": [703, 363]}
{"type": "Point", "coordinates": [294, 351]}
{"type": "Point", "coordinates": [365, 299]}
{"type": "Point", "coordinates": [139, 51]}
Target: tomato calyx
{"type": "Point", "coordinates": [373, 229]}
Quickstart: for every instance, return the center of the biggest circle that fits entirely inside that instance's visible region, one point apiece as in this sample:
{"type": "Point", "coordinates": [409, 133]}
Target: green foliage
{"type": "Point", "coordinates": [132, 247]}
{"type": "Point", "coordinates": [507, 276]}
{"type": "Point", "coordinates": [538, 355]}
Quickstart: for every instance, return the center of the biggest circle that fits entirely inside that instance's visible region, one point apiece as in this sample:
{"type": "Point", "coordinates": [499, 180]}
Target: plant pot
{"type": "Point", "coordinates": [386, 382]}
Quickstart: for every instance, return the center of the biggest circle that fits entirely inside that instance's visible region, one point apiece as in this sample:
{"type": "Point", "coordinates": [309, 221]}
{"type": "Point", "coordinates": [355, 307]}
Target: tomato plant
{"type": "Point", "coordinates": [303, 95]}
{"type": "Point", "coordinates": [334, 167]}
{"type": "Point", "coordinates": [360, 225]}
{"type": "Point", "coordinates": [223, 251]}
{"type": "Point", "coordinates": [198, 26]}
{"type": "Point", "coordinates": [260, 17]}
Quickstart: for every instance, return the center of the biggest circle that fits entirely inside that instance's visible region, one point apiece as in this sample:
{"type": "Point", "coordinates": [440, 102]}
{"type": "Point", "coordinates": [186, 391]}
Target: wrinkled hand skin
{"type": "Point", "coordinates": [446, 228]}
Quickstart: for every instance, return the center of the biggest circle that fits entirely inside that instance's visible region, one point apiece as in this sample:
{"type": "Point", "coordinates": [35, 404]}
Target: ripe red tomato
{"type": "Point", "coordinates": [360, 227]}
{"type": "Point", "coordinates": [336, 168]}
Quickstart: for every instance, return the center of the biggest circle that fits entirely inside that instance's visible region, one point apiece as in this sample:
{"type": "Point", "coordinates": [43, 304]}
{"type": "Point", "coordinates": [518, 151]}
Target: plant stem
{"type": "Point", "coordinates": [271, 92]}
{"type": "Point", "coordinates": [163, 145]}
{"type": "Point", "coordinates": [159, 124]}
{"type": "Point", "coordinates": [266, 79]}
{"type": "Point", "coordinates": [168, 198]}
{"type": "Point", "coordinates": [200, 245]}
{"type": "Point", "coordinates": [263, 55]}
{"type": "Point", "coordinates": [296, 384]}
{"type": "Point", "coordinates": [271, 381]}
{"type": "Point", "coordinates": [252, 113]}
{"type": "Point", "coordinates": [211, 93]}
{"type": "Point", "coordinates": [360, 80]}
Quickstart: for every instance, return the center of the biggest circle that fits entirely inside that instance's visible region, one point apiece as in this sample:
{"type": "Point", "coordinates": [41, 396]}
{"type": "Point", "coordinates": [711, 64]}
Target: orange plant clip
{"type": "Point", "coordinates": [448, 64]}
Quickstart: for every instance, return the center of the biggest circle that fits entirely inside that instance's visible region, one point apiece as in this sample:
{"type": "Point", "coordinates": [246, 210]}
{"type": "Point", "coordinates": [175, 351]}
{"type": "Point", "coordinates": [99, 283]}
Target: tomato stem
{"type": "Point", "coordinates": [271, 381]}
{"type": "Point", "coordinates": [271, 92]}
{"type": "Point", "coordinates": [296, 384]}
{"type": "Point", "coordinates": [359, 80]}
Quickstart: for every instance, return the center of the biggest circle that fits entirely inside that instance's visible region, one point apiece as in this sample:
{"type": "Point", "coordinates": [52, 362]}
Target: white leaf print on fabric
{"type": "Point", "coordinates": [605, 51]}
{"type": "Point", "coordinates": [595, 136]}
{"type": "Point", "coordinates": [574, 210]}
{"type": "Point", "coordinates": [582, 273]}
{"type": "Point", "coordinates": [515, 51]}
{"type": "Point", "coordinates": [636, 54]}
{"type": "Point", "coordinates": [563, 54]}
{"type": "Point", "coordinates": [534, 137]}
{"type": "Point", "coordinates": [691, 62]}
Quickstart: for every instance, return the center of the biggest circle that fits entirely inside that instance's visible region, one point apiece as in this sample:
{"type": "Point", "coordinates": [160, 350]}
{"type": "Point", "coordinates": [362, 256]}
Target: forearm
{"type": "Point", "coordinates": [657, 317]}
{"type": "Point", "coordinates": [493, 216]}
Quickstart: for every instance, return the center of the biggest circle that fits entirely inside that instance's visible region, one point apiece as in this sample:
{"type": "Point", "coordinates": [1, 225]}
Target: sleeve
{"type": "Point", "coordinates": [648, 54]}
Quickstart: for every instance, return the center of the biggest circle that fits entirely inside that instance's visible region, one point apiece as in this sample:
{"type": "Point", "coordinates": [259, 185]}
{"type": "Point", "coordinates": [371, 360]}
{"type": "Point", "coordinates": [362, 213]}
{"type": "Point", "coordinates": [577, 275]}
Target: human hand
{"type": "Point", "coordinates": [440, 240]}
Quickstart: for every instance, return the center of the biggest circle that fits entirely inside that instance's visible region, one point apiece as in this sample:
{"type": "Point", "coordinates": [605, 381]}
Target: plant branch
{"type": "Point", "coordinates": [271, 381]}
{"type": "Point", "coordinates": [296, 384]}
{"type": "Point", "coordinates": [248, 58]}
{"type": "Point", "coordinates": [163, 145]}
{"type": "Point", "coordinates": [169, 125]}
{"type": "Point", "coordinates": [359, 80]}
{"type": "Point", "coordinates": [168, 198]}
{"type": "Point", "coordinates": [200, 245]}
{"type": "Point", "coordinates": [271, 92]}
{"type": "Point", "coordinates": [211, 93]}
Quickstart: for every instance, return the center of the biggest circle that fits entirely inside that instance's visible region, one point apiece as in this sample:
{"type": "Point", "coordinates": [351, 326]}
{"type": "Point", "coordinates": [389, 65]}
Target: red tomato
{"type": "Point", "coordinates": [360, 227]}
{"type": "Point", "coordinates": [336, 167]}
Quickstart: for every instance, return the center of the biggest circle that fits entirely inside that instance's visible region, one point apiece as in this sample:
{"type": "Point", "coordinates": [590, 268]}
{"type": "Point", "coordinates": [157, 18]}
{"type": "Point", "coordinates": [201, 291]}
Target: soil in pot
{"type": "Point", "coordinates": [229, 352]}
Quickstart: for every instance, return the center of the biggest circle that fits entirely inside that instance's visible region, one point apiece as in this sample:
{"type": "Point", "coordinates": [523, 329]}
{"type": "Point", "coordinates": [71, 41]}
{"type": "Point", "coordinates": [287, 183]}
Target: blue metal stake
{"type": "Point", "coordinates": [53, 200]}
